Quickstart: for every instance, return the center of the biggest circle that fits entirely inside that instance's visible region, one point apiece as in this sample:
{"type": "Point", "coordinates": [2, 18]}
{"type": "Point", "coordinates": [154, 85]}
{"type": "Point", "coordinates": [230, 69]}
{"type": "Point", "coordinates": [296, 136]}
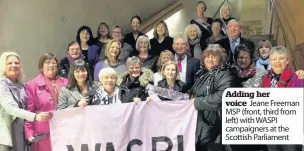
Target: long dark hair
{"type": "Point", "coordinates": [82, 65]}
{"type": "Point", "coordinates": [88, 29]}
{"type": "Point", "coordinates": [242, 47]}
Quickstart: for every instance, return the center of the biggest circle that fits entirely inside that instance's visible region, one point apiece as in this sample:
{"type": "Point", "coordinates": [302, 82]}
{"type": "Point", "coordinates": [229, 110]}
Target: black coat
{"type": "Point", "coordinates": [179, 86]}
{"type": "Point", "coordinates": [149, 63]}
{"type": "Point", "coordinates": [129, 38]}
{"type": "Point", "coordinates": [225, 43]}
{"type": "Point", "coordinates": [157, 48]}
{"type": "Point", "coordinates": [137, 88]}
{"type": "Point", "coordinates": [64, 67]}
{"type": "Point", "coordinates": [207, 91]}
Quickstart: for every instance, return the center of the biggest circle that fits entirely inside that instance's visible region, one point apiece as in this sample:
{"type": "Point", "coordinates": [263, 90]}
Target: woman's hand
{"type": "Point", "coordinates": [136, 100]}
{"type": "Point", "coordinates": [83, 102]}
{"type": "Point", "coordinates": [43, 116]}
{"type": "Point", "coordinates": [31, 139]}
{"type": "Point", "coordinates": [300, 74]}
{"type": "Point", "coordinates": [148, 99]}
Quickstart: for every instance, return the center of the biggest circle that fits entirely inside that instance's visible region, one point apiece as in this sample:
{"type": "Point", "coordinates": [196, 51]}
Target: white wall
{"type": "Point", "coordinates": [34, 27]}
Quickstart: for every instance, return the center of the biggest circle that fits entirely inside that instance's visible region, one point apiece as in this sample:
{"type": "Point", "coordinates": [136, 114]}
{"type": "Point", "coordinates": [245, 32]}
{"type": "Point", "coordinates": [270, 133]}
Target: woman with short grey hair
{"type": "Point", "coordinates": [143, 47]}
{"type": "Point", "coordinates": [133, 83]}
{"type": "Point", "coordinates": [193, 34]}
{"type": "Point", "coordinates": [280, 76]}
{"type": "Point", "coordinates": [108, 92]}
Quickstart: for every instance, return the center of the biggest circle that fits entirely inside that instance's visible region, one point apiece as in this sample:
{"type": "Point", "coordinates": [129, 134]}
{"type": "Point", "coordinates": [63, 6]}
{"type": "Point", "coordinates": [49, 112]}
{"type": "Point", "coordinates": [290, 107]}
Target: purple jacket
{"type": "Point", "coordinates": [297, 83]}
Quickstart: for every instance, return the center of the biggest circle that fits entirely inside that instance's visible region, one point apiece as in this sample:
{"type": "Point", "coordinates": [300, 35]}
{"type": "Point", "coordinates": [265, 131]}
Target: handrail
{"type": "Point", "coordinates": [293, 34]}
{"type": "Point", "coordinates": [285, 35]}
{"type": "Point", "coordinates": [220, 8]}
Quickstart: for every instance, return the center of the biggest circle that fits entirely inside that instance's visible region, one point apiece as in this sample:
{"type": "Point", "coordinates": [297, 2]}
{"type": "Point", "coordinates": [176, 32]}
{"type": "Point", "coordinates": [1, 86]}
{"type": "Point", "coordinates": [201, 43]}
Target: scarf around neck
{"type": "Point", "coordinates": [245, 73]}
{"type": "Point", "coordinates": [284, 79]}
{"type": "Point", "coordinates": [260, 63]}
{"type": "Point", "coordinates": [194, 42]}
{"type": "Point", "coordinates": [72, 60]}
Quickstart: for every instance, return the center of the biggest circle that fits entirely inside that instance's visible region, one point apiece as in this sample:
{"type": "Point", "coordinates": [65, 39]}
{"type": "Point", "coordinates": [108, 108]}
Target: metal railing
{"type": "Point", "coordinates": [219, 8]}
{"type": "Point", "coordinates": [275, 14]}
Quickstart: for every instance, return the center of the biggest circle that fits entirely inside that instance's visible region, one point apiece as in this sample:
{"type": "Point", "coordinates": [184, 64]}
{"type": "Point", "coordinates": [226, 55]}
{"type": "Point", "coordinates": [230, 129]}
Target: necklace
{"type": "Point", "coordinates": [111, 65]}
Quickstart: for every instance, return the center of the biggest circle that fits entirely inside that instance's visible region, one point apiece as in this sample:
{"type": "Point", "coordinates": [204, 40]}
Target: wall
{"type": "Point", "coordinates": [32, 28]}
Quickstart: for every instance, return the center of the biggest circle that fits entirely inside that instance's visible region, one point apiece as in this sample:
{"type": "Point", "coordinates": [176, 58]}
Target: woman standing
{"type": "Point", "coordinates": [162, 40]}
{"type": "Point", "coordinates": [165, 56]}
{"type": "Point", "coordinates": [143, 48]}
{"type": "Point", "coordinates": [73, 53]}
{"type": "Point", "coordinates": [203, 22]}
{"type": "Point", "coordinates": [42, 94]}
{"type": "Point", "coordinates": [112, 52]}
{"type": "Point", "coordinates": [193, 34]}
{"type": "Point", "coordinates": [262, 54]}
{"type": "Point", "coordinates": [212, 80]}
{"type": "Point", "coordinates": [131, 37]}
{"type": "Point", "coordinates": [13, 101]}
{"type": "Point", "coordinates": [79, 84]}
{"type": "Point", "coordinates": [90, 51]}
{"type": "Point", "coordinates": [133, 83]}
{"type": "Point", "coordinates": [108, 91]}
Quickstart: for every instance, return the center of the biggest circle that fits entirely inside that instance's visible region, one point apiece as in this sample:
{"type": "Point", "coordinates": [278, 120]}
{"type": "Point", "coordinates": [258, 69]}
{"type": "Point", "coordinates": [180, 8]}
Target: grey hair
{"type": "Point", "coordinates": [279, 50]}
{"type": "Point", "coordinates": [3, 59]}
{"type": "Point", "coordinates": [226, 5]}
{"type": "Point", "coordinates": [133, 60]}
{"type": "Point", "coordinates": [183, 36]}
{"type": "Point", "coordinates": [107, 71]}
{"type": "Point", "coordinates": [193, 26]}
{"type": "Point", "coordinates": [234, 20]}
{"type": "Point", "coordinates": [142, 38]}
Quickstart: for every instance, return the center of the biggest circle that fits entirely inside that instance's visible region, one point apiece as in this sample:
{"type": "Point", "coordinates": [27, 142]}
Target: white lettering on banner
{"type": "Point", "coordinates": [165, 125]}
{"type": "Point", "coordinates": [262, 116]}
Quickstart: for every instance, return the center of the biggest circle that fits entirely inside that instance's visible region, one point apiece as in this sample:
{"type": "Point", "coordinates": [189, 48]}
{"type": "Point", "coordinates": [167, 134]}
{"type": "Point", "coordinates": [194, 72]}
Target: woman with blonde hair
{"type": "Point", "coordinates": [225, 13]}
{"type": "Point", "coordinates": [262, 55]}
{"type": "Point", "coordinates": [171, 78]}
{"type": "Point", "coordinates": [13, 101]}
{"type": "Point", "coordinates": [193, 34]}
{"type": "Point", "coordinates": [162, 40]}
{"type": "Point", "coordinates": [112, 52]}
{"type": "Point", "coordinates": [165, 56]}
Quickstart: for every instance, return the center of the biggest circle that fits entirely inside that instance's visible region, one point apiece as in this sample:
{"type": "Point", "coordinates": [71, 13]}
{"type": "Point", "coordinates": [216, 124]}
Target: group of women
{"type": "Point", "coordinates": [113, 68]}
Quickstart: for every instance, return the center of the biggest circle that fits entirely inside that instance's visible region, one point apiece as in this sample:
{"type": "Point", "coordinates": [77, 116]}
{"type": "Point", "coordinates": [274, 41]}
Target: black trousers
{"type": "Point", "coordinates": [210, 147]}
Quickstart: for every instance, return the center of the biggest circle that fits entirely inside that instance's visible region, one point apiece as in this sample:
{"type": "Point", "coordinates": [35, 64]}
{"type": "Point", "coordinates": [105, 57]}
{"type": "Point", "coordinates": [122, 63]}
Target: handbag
{"type": "Point", "coordinates": [18, 135]}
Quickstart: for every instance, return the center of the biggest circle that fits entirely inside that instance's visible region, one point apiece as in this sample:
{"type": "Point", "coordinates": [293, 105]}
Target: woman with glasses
{"type": "Point", "coordinates": [42, 94]}
{"type": "Point", "coordinates": [206, 93]}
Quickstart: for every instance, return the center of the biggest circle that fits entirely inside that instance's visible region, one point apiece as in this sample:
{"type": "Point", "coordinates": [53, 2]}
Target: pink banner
{"type": "Point", "coordinates": [165, 125]}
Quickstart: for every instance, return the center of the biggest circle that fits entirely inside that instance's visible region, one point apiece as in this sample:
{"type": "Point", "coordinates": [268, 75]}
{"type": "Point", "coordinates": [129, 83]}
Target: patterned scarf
{"type": "Point", "coordinates": [194, 41]}
{"type": "Point", "coordinates": [53, 88]}
{"type": "Point", "coordinates": [245, 73]}
{"type": "Point", "coordinates": [269, 80]}
{"type": "Point", "coordinates": [71, 59]}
